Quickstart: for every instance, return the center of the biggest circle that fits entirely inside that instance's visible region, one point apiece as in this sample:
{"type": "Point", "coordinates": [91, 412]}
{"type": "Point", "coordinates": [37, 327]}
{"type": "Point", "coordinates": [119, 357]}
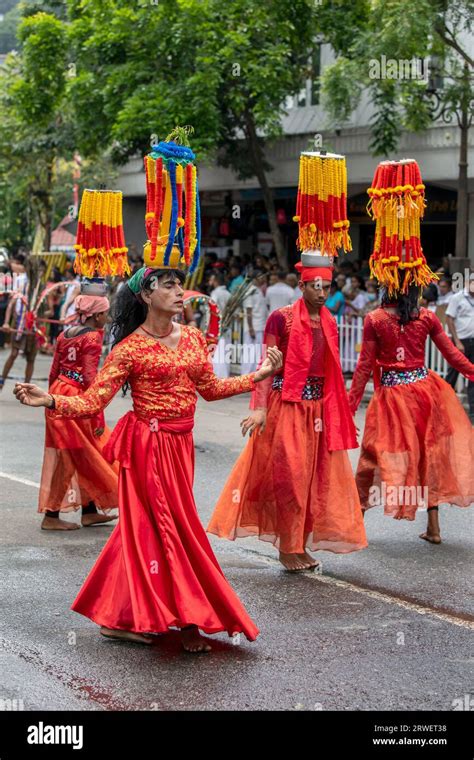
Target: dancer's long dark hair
{"type": "Point", "coordinates": [130, 310]}
{"type": "Point", "coordinates": [405, 304]}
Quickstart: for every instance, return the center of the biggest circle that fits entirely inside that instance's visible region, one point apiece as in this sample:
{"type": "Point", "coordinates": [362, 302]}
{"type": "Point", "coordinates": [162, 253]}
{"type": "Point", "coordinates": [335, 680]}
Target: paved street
{"type": "Point", "coordinates": [388, 628]}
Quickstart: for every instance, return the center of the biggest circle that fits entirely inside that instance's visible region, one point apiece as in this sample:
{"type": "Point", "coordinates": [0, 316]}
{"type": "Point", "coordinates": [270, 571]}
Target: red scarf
{"type": "Point", "coordinates": [337, 418]}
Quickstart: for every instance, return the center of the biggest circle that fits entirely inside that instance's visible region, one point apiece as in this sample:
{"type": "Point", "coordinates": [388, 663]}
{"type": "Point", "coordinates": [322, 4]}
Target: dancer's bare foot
{"type": "Point", "coordinates": [192, 640]}
{"type": "Point", "coordinates": [293, 562]}
{"type": "Point", "coordinates": [55, 523]}
{"type": "Point", "coordinates": [433, 533]}
{"type": "Point", "coordinates": [433, 538]}
{"type": "Point", "coordinates": [309, 560]}
{"type": "Point", "coordinates": [96, 519]}
{"type": "Point", "coordinates": [137, 638]}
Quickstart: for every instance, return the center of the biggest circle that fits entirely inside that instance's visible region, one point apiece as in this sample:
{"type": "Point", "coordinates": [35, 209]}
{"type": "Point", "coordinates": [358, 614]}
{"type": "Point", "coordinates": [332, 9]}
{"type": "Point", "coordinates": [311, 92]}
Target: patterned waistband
{"type": "Point", "coordinates": [393, 377]}
{"type": "Point", "coordinates": [312, 390]}
{"type": "Point", "coordinates": [72, 374]}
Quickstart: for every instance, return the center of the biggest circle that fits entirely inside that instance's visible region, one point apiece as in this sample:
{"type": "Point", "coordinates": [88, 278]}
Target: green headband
{"type": "Point", "coordinates": [135, 282]}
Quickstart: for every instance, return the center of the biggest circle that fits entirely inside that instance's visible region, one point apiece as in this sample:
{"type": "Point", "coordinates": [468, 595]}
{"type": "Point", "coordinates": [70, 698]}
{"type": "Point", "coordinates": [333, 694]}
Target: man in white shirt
{"type": "Point", "coordinates": [73, 289]}
{"type": "Point", "coordinates": [255, 317]}
{"type": "Point", "coordinates": [221, 360]}
{"type": "Point", "coordinates": [219, 293]}
{"type": "Point", "coordinates": [20, 341]}
{"type": "Point", "coordinates": [444, 292]}
{"type": "Point", "coordinates": [292, 281]}
{"type": "Point", "coordinates": [280, 294]}
{"type": "Point", "coordinates": [460, 322]}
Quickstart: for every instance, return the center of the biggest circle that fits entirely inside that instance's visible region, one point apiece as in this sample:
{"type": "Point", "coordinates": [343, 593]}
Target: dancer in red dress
{"type": "Point", "coordinates": [418, 444]}
{"type": "Point", "coordinates": [157, 570]}
{"type": "Point", "coordinates": [293, 483]}
{"type": "Point", "coordinates": [74, 472]}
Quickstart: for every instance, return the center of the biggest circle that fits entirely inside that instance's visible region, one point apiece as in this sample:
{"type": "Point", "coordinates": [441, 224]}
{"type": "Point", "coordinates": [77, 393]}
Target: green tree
{"type": "Point", "coordinates": [224, 68]}
{"type": "Point", "coordinates": [433, 31]}
{"type": "Point", "coordinates": [34, 129]}
{"type": "Point", "coordinates": [13, 11]}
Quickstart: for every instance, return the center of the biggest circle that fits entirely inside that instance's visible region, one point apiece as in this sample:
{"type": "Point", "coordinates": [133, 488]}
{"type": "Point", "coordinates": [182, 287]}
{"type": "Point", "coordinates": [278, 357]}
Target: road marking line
{"type": "Point", "coordinates": [381, 596]}
{"type": "Point", "coordinates": [19, 480]}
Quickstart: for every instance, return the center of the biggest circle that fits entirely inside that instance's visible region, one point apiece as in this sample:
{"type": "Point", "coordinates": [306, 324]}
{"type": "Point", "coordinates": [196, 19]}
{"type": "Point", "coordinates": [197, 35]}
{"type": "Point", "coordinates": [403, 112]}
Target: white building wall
{"type": "Point", "coordinates": [436, 150]}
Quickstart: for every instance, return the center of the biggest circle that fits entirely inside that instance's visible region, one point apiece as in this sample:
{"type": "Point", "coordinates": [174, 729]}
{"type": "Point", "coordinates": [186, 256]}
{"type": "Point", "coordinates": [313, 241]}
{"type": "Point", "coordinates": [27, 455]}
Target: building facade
{"type": "Point", "coordinates": [233, 211]}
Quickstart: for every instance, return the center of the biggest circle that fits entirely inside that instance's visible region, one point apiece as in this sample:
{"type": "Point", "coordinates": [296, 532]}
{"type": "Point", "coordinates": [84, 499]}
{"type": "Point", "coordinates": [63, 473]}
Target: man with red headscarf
{"type": "Point", "coordinates": [293, 483]}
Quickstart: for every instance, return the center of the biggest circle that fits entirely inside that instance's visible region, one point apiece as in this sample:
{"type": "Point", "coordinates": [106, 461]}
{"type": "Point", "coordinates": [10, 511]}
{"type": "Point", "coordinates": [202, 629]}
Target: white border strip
{"type": "Point", "coordinates": [24, 481]}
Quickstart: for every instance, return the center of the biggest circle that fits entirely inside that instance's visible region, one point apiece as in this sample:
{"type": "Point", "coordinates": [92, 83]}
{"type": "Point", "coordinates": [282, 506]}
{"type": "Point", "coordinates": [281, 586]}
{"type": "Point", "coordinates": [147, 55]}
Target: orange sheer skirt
{"type": "Point", "coordinates": [417, 450]}
{"type": "Point", "coordinates": [74, 470]}
{"type": "Point", "coordinates": [287, 488]}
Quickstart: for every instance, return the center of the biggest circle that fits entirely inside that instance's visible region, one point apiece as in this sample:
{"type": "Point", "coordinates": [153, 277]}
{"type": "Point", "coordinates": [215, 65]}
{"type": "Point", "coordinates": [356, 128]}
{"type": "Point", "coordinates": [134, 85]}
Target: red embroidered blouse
{"type": "Point", "coordinates": [386, 344]}
{"type": "Point", "coordinates": [277, 333]}
{"type": "Point", "coordinates": [163, 380]}
{"type": "Point", "coordinates": [80, 354]}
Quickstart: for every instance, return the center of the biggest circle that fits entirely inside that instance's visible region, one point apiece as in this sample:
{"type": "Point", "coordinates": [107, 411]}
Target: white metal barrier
{"type": "Point", "coordinates": [350, 342]}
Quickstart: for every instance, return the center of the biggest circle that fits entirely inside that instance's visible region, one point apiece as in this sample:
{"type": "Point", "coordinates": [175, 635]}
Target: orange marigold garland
{"type": "Point", "coordinates": [100, 244]}
{"type": "Point", "coordinates": [397, 203]}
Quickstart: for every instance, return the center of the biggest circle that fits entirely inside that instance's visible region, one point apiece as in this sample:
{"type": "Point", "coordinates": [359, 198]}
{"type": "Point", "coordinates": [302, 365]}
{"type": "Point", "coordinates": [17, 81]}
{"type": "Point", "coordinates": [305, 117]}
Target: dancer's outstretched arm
{"type": "Point", "coordinates": [453, 355]}
{"type": "Point", "coordinates": [113, 374]}
{"type": "Point", "coordinates": [365, 365]}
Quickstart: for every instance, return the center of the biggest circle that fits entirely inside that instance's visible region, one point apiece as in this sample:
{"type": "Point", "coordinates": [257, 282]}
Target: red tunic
{"type": "Point", "coordinates": [77, 359]}
{"type": "Point", "coordinates": [311, 350]}
{"type": "Point", "coordinates": [389, 345]}
{"type": "Point", "coordinates": [277, 333]}
{"type": "Point", "coordinates": [79, 354]}
{"type": "Point", "coordinates": [418, 444]}
{"type": "Point", "coordinates": [74, 471]}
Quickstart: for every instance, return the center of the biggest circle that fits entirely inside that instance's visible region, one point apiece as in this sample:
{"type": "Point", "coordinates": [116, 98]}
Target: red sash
{"type": "Point", "coordinates": [337, 418]}
{"type": "Point", "coordinates": [120, 443]}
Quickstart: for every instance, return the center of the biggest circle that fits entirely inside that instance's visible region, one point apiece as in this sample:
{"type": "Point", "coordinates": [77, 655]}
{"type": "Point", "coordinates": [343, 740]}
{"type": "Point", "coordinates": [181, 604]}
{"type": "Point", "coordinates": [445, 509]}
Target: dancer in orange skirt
{"type": "Point", "coordinates": [418, 443]}
{"type": "Point", "coordinates": [75, 473]}
{"type": "Point", "coordinates": [293, 483]}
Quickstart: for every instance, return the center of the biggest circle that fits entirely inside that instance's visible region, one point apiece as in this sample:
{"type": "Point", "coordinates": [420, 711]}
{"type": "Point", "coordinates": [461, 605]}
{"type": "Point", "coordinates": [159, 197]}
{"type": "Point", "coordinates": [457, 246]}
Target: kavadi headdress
{"type": "Point", "coordinates": [397, 203]}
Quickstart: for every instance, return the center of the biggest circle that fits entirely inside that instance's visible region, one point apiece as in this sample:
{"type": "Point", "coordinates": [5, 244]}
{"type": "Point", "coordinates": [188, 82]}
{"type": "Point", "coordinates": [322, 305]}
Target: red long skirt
{"type": "Point", "coordinates": [74, 469]}
{"type": "Point", "coordinates": [288, 488]}
{"type": "Point", "coordinates": [417, 450]}
{"type": "Point", "coordinates": [157, 571]}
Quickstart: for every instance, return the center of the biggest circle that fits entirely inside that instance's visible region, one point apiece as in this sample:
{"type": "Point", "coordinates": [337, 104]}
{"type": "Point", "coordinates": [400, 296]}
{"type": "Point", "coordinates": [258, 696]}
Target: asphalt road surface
{"type": "Point", "coordinates": [388, 628]}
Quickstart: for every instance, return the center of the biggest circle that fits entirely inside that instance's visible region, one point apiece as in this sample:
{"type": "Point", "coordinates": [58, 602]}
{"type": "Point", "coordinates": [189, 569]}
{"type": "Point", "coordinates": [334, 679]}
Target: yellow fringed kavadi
{"type": "Point", "coordinates": [100, 245]}
{"type": "Point", "coordinates": [397, 203]}
{"type": "Point", "coordinates": [321, 204]}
